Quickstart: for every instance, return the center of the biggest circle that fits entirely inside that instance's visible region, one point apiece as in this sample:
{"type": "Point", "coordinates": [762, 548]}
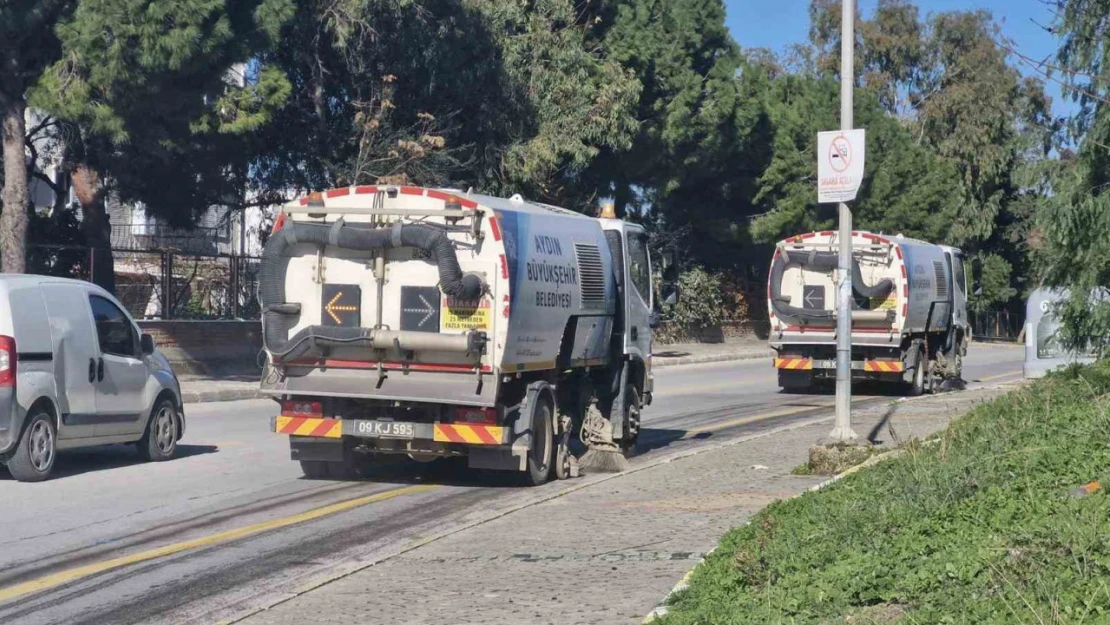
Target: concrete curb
{"type": "Point", "coordinates": [227, 394]}
{"type": "Point", "coordinates": [662, 363]}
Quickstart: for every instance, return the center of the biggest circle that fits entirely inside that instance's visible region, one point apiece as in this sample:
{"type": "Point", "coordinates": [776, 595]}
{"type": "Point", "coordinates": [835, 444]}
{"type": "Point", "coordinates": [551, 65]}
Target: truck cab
{"type": "Point", "coordinates": [628, 245]}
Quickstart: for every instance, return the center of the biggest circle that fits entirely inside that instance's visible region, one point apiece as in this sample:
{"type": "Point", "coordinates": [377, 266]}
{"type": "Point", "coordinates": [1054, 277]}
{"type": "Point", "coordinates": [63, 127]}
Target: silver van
{"type": "Point", "coordinates": [1043, 352]}
{"type": "Point", "coordinates": [75, 371]}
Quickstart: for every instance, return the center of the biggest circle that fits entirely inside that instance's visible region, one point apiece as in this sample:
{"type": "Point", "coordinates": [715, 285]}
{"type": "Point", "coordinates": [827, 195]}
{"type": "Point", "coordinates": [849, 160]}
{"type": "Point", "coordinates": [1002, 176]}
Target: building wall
{"type": "Point", "coordinates": [215, 348]}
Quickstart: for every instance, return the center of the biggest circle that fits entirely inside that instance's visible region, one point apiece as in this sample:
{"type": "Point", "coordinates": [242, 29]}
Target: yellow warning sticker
{"type": "Point", "coordinates": [890, 303]}
{"type": "Point", "coordinates": [462, 315]}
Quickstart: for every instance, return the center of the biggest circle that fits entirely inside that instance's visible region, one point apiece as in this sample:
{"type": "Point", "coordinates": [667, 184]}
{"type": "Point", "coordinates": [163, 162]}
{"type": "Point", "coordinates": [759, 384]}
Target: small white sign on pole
{"type": "Point", "coordinates": [840, 156]}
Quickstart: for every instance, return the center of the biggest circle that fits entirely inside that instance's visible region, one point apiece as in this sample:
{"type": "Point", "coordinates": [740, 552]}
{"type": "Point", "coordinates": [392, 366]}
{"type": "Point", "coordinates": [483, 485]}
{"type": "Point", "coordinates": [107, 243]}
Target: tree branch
{"type": "Point", "coordinates": [46, 179]}
{"type": "Point", "coordinates": [43, 125]}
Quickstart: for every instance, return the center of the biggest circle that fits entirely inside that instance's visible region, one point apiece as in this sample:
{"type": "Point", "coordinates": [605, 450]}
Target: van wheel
{"type": "Point", "coordinates": [917, 386]}
{"type": "Point", "coordinates": [541, 455]}
{"type": "Point", "coordinates": [159, 442]}
{"type": "Point", "coordinates": [38, 448]}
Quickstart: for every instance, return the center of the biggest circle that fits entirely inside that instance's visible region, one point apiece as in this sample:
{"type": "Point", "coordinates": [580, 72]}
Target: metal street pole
{"type": "Point", "coordinates": [842, 431]}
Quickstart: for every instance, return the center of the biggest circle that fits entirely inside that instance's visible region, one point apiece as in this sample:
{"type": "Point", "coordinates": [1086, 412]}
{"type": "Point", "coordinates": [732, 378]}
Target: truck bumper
{"type": "Point", "coordinates": [864, 366]}
{"type": "Point", "coordinates": [461, 433]}
{"type": "Point", "coordinates": [485, 446]}
{"type": "Point", "coordinates": [9, 422]}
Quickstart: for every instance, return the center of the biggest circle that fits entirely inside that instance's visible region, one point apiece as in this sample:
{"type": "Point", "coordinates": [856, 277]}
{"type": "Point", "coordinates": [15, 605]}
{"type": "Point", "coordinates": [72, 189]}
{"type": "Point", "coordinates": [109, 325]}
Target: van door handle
{"type": "Point", "coordinates": [99, 369]}
{"type": "Point", "coordinates": [92, 370]}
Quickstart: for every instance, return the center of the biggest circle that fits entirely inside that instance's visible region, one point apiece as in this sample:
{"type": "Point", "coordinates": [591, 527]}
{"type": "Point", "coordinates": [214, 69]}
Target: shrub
{"type": "Point", "coordinates": [701, 303]}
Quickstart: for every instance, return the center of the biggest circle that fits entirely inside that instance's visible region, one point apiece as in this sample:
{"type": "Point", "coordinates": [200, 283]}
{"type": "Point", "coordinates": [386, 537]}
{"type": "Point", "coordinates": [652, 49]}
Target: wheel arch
{"type": "Point", "coordinates": [163, 395]}
{"type": "Point", "coordinates": [45, 403]}
{"type": "Point", "coordinates": [637, 373]}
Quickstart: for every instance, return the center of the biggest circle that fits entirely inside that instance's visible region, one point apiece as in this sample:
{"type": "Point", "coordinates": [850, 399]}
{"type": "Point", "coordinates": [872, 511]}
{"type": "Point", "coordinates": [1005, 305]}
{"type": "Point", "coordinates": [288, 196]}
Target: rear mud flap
{"type": "Point", "coordinates": [311, 448]}
{"type": "Point", "coordinates": [512, 458]}
{"type": "Point", "coordinates": [515, 456]}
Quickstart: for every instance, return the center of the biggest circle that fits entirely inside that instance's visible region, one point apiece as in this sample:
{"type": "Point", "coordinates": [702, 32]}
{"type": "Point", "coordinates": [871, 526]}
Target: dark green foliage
{"type": "Point", "coordinates": [505, 97]}
{"type": "Point", "coordinates": [56, 245]}
{"type": "Point", "coordinates": [906, 190]}
{"type": "Point", "coordinates": [1076, 248]}
{"type": "Point", "coordinates": [979, 527]}
{"type": "Point", "coordinates": [145, 89]}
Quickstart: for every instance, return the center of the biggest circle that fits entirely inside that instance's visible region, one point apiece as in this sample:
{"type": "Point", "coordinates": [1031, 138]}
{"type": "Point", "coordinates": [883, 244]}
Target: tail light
{"type": "Point", "coordinates": [481, 416]}
{"type": "Point", "coordinates": [295, 408]}
{"type": "Point", "coordinates": [8, 359]}
{"type": "Point", "coordinates": [279, 223]}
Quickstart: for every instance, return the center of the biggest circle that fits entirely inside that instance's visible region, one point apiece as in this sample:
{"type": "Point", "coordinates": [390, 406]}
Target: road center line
{"type": "Point", "coordinates": [999, 376]}
{"type": "Point", "coordinates": [77, 573]}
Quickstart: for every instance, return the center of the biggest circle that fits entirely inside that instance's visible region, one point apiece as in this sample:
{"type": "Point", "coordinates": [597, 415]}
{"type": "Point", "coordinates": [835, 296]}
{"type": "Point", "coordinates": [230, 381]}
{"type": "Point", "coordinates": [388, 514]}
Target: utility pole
{"type": "Point", "coordinates": [842, 431]}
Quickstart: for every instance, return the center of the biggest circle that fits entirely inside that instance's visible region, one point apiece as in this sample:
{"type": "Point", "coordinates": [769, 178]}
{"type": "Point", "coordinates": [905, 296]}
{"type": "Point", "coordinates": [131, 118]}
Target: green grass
{"type": "Point", "coordinates": [976, 528]}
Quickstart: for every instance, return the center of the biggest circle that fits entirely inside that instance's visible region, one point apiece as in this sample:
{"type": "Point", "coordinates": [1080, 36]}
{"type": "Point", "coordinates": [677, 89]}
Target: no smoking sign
{"type": "Point", "coordinates": [840, 157]}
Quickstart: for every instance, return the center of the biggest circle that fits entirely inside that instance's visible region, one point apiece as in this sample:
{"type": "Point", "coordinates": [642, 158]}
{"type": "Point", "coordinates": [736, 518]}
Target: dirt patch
{"type": "Point", "coordinates": [880, 614]}
{"type": "Point", "coordinates": [833, 459]}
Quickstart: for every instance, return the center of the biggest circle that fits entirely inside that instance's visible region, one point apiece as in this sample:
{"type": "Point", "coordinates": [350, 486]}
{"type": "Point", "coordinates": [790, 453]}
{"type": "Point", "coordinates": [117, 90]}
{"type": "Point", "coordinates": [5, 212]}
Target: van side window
{"type": "Point", "coordinates": [113, 328]}
{"type": "Point", "coordinates": [958, 269]}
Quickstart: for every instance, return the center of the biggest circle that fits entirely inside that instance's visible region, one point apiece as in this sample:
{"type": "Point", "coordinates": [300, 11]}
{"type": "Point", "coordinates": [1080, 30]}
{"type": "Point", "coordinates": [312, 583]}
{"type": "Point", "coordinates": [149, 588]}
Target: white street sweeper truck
{"type": "Point", "coordinates": [909, 310]}
{"type": "Point", "coordinates": [434, 323]}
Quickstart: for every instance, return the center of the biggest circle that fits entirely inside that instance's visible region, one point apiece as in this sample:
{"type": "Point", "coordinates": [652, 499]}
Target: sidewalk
{"type": "Point", "coordinates": [600, 549]}
{"type": "Point", "coordinates": [694, 353]}
{"type": "Point", "coordinates": [200, 389]}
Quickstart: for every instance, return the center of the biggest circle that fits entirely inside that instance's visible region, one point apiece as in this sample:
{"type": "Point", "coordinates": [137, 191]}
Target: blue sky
{"type": "Point", "coordinates": [775, 24]}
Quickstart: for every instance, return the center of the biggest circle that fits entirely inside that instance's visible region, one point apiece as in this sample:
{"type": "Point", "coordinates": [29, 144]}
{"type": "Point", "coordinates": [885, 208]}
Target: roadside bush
{"type": "Point", "coordinates": [701, 304]}
{"type": "Point", "coordinates": [983, 526]}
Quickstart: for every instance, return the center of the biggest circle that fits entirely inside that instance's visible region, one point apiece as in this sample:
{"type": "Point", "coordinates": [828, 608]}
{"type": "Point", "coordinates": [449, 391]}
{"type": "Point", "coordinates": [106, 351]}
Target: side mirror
{"type": "Point", "coordinates": [146, 343]}
{"type": "Point", "coordinates": [977, 276]}
{"type": "Point", "coordinates": [669, 293]}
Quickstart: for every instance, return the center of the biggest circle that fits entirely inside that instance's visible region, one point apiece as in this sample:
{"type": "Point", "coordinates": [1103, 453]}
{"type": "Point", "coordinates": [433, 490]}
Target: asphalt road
{"type": "Point", "coordinates": [232, 524]}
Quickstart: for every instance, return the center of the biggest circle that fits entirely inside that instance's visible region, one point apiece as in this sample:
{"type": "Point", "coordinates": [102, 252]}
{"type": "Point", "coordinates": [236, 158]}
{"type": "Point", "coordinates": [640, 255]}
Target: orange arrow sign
{"type": "Point", "coordinates": [332, 307]}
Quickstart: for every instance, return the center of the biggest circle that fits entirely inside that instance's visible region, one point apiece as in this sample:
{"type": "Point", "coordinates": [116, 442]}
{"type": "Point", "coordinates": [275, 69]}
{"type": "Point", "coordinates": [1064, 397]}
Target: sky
{"type": "Point", "coordinates": [775, 24]}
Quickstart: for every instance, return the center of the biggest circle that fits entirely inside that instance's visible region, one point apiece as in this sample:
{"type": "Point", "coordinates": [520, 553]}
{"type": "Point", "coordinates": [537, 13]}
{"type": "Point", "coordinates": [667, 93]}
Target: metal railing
{"type": "Point", "coordinates": [153, 236]}
{"type": "Point", "coordinates": [162, 284]}
{"type": "Point", "coordinates": [996, 325]}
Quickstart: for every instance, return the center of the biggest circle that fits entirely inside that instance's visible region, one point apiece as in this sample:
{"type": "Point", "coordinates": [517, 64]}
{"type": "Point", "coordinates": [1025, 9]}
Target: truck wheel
{"type": "Point", "coordinates": [632, 420]}
{"type": "Point", "coordinates": [917, 386]}
{"type": "Point", "coordinates": [542, 453]}
{"type": "Point", "coordinates": [34, 458]}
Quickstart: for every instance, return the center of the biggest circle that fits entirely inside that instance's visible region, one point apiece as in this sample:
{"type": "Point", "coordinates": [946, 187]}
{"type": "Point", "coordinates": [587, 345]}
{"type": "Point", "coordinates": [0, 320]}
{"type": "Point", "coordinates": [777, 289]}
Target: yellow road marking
{"type": "Point", "coordinates": [754, 418]}
{"type": "Point", "coordinates": [999, 376]}
{"type": "Point", "coordinates": [71, 575]}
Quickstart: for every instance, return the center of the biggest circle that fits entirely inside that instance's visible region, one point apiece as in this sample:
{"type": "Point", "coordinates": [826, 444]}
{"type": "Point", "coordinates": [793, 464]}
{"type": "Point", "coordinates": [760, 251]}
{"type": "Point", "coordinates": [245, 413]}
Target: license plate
{"type": "Point", "coordinates": [384, 429]}
{"type": "Point", "coordinates": [824, 364]}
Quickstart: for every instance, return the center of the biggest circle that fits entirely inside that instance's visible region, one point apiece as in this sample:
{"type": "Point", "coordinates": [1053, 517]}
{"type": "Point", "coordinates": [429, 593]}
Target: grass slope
{"type": "Point", "coordinates": [979, 527]}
